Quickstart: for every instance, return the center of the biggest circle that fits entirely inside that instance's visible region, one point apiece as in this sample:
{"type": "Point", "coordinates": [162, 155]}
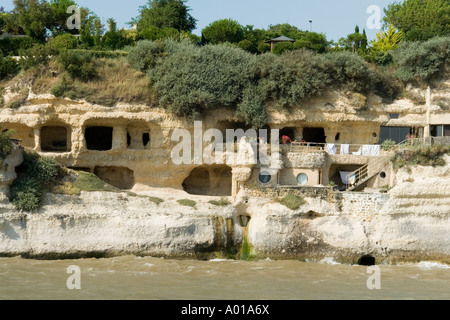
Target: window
{"type": "Point", "coordinates": [302, 179]}
{"type": "Point", "coordinates": [394, 115]}
{"type": "Point", "coordinates": [99, 138]}
{"type": "Point", "coordinates": [265, 177]}
{"type": "Point", "coordinates": [440, 130]}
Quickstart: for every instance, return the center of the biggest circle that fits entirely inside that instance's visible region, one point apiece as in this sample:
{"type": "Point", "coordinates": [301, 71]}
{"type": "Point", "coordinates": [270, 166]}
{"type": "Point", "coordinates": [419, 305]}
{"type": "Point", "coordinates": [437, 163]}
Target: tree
{"type": "Point", "coordinates": [115, 39]}
{"type": "Point", "coordinates": [225, 30]}
{"type": "Point", "coordinates": [420, 20]}
{"type": "Point", "coordinates": [58, 23]}
{"type": "Point", "coordinates": [356, 42]}
{"type": "Point", "coordinates": [312, 41]}
{"type": "Point", "coordinates": [91, 30]}
{"type": "Point", "coordinates": [385, 42]}
{"type": "Point", "coordinates": [30, 17]}
{"type": "Point", "coordinates": [284, 29]}
{"type": "Point", "coordinates": [165, 14]}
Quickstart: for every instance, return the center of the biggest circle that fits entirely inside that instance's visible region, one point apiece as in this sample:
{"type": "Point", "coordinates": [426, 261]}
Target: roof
{"type": "Point", "coordinates": [281, 39]}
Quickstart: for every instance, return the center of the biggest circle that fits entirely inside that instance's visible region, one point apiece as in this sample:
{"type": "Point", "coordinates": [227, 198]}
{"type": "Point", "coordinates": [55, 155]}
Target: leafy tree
{"type": "Point", "coordinates": [420, 19]}
{"type": "Point", "coordinates": [312, 41]}
{"type": "Point", "coordinates": [284, 29]}
{"type": "Point", "coordinates": [165, 14]}
{"type": "Point", "coordinates": [114, 39]}
{"type": "Point", "coordinates": [225, 30]}
{"type": "Point", "coordinates": [356, 42]}
{"type": "Point", "coordinates": [58, 23]}
{"type": "Point", "coordinates": [91, 29]}
{"type": "Point", "coordinates": [30, 17]}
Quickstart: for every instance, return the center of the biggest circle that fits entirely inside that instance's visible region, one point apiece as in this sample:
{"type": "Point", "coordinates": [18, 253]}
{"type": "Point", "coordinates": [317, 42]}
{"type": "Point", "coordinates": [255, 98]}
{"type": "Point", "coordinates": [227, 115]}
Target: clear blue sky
{"type": "Point", "coordinates": [335, 18]}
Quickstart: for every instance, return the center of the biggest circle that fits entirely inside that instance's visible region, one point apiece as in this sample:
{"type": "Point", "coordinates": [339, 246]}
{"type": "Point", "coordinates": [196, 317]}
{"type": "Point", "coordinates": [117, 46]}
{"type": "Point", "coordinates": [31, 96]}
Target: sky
{"type": "Point", "coordinates": [335, 18]}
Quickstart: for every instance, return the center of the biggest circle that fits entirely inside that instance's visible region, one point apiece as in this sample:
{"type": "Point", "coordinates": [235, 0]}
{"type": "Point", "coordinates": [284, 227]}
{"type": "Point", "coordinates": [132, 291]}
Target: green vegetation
{"type": "Point", "coordinates": [292, 201]}
{"type": "Point", "coordinates": [37, 176]}
{"type": "Point", "coordinates": [420, 155]}
{"type": "Point", "coordinates": [223, 202]}
{"type": "Point", "coordinates": [187, 202]}
{"type": "Point", "coordinates": [87, 181]}
{"type": "Point", "coordinates": [246, 252]}
{"type": "Point", "coordinates": [225, 30]}
{"type": "Point", "coordinates": [388, 144]}
{"type": "Point", "coordinates": [420, 20]}
{"type": "Point", "coordinates": [6, 145]}
{"type": "Point", "coordinates": [156, 200]}
{"type": "Point", "coordinates": [230, 66]}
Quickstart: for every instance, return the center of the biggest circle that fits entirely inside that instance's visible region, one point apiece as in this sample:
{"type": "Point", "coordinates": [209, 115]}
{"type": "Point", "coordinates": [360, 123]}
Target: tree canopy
{"type": "Point", "coordinates": [420, 19]}
{"type": "Point", "coordinates": [165, 14]}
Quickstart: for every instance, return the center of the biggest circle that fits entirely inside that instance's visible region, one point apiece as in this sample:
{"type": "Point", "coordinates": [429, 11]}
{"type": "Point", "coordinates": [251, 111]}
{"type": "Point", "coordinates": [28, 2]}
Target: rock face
{"type": "Point", "coordinates": [391, 227]}
{"type": "Point", "coordinates": [411, 222]}
{"type": "Point", "coordinates": [102, 224]}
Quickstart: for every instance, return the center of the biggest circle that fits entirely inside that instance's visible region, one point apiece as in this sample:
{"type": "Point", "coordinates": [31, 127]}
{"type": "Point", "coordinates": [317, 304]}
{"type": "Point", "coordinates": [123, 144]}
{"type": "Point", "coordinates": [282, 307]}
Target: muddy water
{"type": "Point", "coordinates": [146, 278]}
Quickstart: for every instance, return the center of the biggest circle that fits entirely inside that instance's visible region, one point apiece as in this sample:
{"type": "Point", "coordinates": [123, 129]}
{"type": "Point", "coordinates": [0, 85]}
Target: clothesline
{"type": "Point", "coordinates": [364, 150]}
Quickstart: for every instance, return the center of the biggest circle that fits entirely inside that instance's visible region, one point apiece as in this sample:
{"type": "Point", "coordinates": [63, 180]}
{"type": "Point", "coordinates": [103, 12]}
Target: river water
{"type": "Point", "coordinates": [146, 278]}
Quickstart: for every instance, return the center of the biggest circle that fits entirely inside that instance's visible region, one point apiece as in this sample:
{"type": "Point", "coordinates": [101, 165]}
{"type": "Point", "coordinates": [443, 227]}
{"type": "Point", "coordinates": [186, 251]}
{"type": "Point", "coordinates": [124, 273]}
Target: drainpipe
{"type": "Point", "coordinates": [426, 133]}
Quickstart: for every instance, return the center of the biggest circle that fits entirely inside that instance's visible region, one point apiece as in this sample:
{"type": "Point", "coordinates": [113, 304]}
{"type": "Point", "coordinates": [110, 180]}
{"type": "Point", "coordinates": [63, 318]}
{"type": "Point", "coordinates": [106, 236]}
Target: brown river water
{"type": "Point", "coordinates": [146, 278]}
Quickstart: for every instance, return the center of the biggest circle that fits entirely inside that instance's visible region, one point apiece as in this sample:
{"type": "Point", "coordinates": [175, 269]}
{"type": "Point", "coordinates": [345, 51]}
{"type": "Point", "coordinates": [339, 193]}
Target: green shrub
{"type": "Point", "coordinates": [283, 47]}
{"type": "Point", "coordinates": [422, 62]}
{"type": "Point", "coordinates": [100, 54]}
{"type": "Point", "coordinates": [8, 67]}
{"type": "Point", "coordinates": [292, 201]}
{"type": "Point", "coordinates": [64, 41]}
{"type": "Point", "coordinates": [348, 71]}
{"type": "Point", "coordinates": [146, 54]}
{"type": "Point", "coordinates": [27, 201]}
{"type": "Point", "coordinates": [420, 155]}
{"type": "Point", "coordinates": [78, 65]}
{"type": "Point", "coordinates": [39, 54]}
{"type": "Point", "coordinates": [12, 46]}
{"type": "Point", "coordinates": [6, 145]}
{"type": "Point", "coordinates": [26, 193]}
{"type": "Point", "coordinates": [43, 169]}
{"type": "Point", "coordinates": [263, 47]}
{"type": "Point", "coordinates": [187, 202]}
{"type": "Point", "coordinates": [191, 80]}
{"type": "Point", "coordinates": [388, 144]}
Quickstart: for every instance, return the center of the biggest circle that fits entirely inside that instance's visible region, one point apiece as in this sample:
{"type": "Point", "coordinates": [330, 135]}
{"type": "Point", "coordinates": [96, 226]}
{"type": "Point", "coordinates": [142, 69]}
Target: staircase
{"type": "Point", "coordinates": [363, 174]}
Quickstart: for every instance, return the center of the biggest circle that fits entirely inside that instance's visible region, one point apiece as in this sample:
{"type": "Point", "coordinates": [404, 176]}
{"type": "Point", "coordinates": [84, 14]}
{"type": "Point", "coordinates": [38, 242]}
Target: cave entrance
{"type": "Point", "coordinates": [99, 138]}
{"type": "Point", "coordinates": [119, 177]}
{"type": "Point", "coordinates": [209, 181]}
{"type": "Point", "coordinates": [366, 260]}
{"type": "Point", "coordinates": [316, 135]}
{"type": "Point", "coordinates": [54, 139]}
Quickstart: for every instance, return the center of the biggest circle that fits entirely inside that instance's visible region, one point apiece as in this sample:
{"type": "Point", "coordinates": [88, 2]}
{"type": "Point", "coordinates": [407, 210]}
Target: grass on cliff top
{"type": "Point", "coordinates": [83, 181]}
{"type": "Point", "coordinates": [116, 81]}
{"type": "Point", "coordinates": [292, 201]}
